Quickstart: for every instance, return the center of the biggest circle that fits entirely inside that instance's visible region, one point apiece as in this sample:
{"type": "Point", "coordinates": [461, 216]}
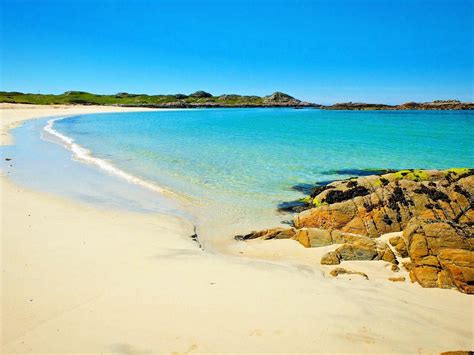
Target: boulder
{"type": "Point", "coordinates": [458, 269]}
{"type": "Point", "coordinates": [361, 249]}
{"type": "Point", "coordinates": [356, 252]}
{"type": "Point", "coordinates": [426, 276]}
{"type": "Point", "coordinates": [314, 237]}
{"type": "Point", "coordinates": [442, 254]}
{"type": "Point", "coordinates": [331, 258]}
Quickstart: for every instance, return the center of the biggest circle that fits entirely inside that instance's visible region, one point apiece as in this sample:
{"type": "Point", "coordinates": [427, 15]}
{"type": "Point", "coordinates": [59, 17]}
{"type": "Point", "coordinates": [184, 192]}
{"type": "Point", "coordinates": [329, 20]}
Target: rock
{"type": "Point", "coordinates": [274, 233]}
{"type": "Point", "coordinates": [339, 270]}
{"type": "Point", "coordinates": [426, 276]}
{"type": "Point", "coordinates": [356, 252]}
{"type": "Point", "coordinates": [374, 205]}
{"type": "Point", "coordinates": [444, 280]}
{"type": "Point", "coordinates": [408, 265]}
{"type": "Point", "coordinates": [397, 279]}
{"type": "Point", "coordinates": [331, 258]}
{"type": "Point", "coordinates": [458, 268]}
{"type": "Point", "coordinates": [418, 247]}
{"type": "Point", "coordinates": [428, 261]}
{"type": "Point", "coordinates": [339, 237]}
{"type": "Point", "coordinates": [389, 256]}
{"type": "Point", "coordinates": [399, 244]}
{"type": "Point", "coordinates": [361, 249]}
{"type": "Point", "coordinates": [313, 237]}
{"type": "Point", "coordinates": [442, 253]}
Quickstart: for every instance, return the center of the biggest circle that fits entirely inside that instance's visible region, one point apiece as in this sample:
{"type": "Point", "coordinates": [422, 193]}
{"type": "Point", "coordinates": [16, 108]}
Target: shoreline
{"type": "Point", "coordinates": [84, 155]}
{"type": "Point", "coordinates": [80, 279]}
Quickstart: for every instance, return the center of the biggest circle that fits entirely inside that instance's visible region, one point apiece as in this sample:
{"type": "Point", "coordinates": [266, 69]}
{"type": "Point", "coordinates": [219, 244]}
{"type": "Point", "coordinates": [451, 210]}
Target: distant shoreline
{"type": "Point", "coordinates": [202, 99]}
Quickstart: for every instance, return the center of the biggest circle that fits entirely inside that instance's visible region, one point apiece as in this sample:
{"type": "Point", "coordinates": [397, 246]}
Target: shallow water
{"type": "Point", "coordinates": [236, 165]}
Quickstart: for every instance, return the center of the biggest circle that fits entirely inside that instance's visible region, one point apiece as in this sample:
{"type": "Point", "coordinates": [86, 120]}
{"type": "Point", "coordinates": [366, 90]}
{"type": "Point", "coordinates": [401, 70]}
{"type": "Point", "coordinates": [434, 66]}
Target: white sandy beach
{"type": "Point", "coordinates": [78, 279]}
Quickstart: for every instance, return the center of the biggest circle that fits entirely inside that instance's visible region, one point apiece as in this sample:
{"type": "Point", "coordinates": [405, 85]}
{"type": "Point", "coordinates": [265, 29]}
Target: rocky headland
{"type": "Point", "coordinates": [434, 105]}
{"type": "Point", "coordinates": [433, 208]}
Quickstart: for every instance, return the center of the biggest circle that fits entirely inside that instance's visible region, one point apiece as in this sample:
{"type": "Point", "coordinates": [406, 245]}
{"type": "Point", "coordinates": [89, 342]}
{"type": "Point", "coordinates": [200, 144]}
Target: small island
{"type": "Point", "coordinates": [435, 105]}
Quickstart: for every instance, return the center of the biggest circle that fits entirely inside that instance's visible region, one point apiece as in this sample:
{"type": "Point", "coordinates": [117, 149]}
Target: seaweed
{"type": "Point", "coordinates": [387, 219]}
{"type": "Point", "coordinates": [352, 183]}
{"type": "Point", "coordinates": [335, 196]}
{"type": "Point", "coordinates": [433, 194]}
{"type": "Point", "coordinates": [463, 192]}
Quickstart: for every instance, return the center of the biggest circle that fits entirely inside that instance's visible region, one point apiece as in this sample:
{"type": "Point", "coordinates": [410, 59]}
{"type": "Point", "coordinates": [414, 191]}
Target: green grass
{"type": "Point", "coordinates": [413, 175]}
{"type": "Point", "coordinates": [458, 171]}
{"type": "Point", "coordinates": [318, 203]}
{"type": "Point", "coordinates": [125, 99]}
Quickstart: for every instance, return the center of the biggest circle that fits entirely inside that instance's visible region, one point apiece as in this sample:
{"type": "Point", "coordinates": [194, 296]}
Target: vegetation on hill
{"type": "Point", "coordinates": [197, 99]}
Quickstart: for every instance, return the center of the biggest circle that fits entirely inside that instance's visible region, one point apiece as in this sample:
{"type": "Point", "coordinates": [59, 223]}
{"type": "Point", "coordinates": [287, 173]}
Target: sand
{"type": "Point", "coordinates": [76, 278]}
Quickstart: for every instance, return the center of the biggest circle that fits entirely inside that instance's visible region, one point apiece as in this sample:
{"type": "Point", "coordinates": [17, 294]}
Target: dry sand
{"type": "Point", "coordinates": [79, 279]}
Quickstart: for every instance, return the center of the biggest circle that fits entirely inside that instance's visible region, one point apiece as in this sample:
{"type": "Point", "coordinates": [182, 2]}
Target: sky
{"type": "Point", "coordinates": [323, 51]}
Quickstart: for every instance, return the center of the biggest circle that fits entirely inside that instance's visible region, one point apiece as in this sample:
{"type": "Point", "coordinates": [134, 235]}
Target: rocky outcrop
{"type": "Point", "coordinates": [434, 208]}
{"type": "Point", "coordinates": [375, 205]}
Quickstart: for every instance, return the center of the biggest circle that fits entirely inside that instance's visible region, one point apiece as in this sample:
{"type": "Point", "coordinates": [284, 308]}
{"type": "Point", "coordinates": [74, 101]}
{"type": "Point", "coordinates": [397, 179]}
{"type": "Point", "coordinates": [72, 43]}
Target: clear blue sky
{"type": "Point", "coordinates": [323, 51]}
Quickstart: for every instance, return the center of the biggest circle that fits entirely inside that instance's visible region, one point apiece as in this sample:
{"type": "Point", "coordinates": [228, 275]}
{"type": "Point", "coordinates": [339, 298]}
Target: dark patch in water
{"type": "Point", "coordinates": [304, 188]}
{"type": "Point", "coordinates": [292, 206]}
{"type": "Point", "coordinates": [359, 172]}
{"type": "Point", "coordinates": [310, 189]}
{"type": "Point", "coordinates": [288, 222]}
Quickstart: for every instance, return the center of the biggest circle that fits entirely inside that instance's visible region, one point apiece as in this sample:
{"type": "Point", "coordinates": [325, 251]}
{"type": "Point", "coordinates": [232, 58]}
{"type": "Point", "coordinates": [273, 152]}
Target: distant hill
{"type": "Point", "coordinates": [205, 99]}
{"type": "Point", "coordinates": [196, 99]}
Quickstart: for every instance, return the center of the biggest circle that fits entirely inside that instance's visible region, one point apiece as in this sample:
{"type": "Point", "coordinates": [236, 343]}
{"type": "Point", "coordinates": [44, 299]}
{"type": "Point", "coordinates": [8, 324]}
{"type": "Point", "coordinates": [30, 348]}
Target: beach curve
{"type": "Point", "coordinates": [122, 281]}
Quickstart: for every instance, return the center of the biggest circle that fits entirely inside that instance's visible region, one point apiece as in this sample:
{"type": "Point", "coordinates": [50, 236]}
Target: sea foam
{"type": "Point", "coordinates": [84, 155]}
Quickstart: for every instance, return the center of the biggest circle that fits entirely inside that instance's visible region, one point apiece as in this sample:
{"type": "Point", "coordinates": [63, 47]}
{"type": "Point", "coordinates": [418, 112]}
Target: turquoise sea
{"type": "Point", "coordinates": [229, 169]}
